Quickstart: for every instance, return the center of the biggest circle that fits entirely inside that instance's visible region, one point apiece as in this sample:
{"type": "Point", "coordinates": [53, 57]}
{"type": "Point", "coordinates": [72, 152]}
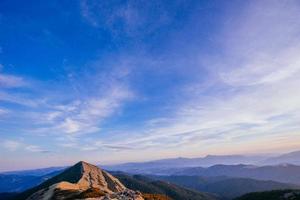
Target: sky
{"type": "Point", "coordinates": [117, 81]}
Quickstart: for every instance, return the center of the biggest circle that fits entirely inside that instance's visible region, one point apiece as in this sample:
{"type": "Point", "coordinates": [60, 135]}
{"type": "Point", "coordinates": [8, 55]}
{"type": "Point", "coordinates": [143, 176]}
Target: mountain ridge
{"type": "Point", "coordinates": [291, 158]}
{"type": "Point", "coordinates": [77, 181]}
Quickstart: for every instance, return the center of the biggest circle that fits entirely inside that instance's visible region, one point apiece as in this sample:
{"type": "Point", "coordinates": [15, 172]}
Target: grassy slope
{"type": "Point", "coordinates": [225, 186]}
{"type": "Point", "coordinates": [272, 195]}
{"type": "Point", "coordinates": [146, 185]}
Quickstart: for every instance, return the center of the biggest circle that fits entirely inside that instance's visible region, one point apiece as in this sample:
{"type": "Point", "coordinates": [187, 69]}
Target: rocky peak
{"type": "Point", "coordinates": [94, 177]}
{"type": "Point", "coordinates": [81, 181]}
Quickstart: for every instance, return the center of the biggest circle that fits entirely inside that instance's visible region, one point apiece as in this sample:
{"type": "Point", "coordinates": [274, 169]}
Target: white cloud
{"type": "Point", "coordinates": [130, 17]}
{"type": "Point", "coordinates": [14, 145]}
{"type": "Point", "coordinates": [3, 111]}
{"type": "Point", "coordinates": [11, 81]}
{"type": "Point", "coordinates": [69, 144]}
{"type": "Point", "coordinates": [88, 114]}
{"type": "Point", "coordinates": [11, 145]}
{"type": "Point", "coordinates": [70, 126]}
{"type": "Point", "coordinates": [34, 148]}
{"type": "Point", "coordinates": [77, 106]}
{"type": "Point", "coordinates": [86, 13]}
{"type": "Point", "coordinates": [20, 100]}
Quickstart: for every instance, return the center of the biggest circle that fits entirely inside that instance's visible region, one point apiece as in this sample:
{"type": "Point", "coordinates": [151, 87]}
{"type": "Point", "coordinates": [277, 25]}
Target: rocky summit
{"type": "Point", "coordinates": [83, 181]}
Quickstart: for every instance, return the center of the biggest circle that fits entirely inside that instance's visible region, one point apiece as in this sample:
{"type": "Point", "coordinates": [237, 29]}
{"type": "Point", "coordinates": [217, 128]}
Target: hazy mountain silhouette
{"type": "Point", "coordinates": [281, 173]}
{"type": "Point", "coordinates": [227, 187]}
{"type": "Point", "coordinates": [289, 158]}
{"type": "Point", "coordinates": [158, 166]}
{"type": "Point", "coordinates": [34, 172]}
{"type": "Point", "coordinates": [18, 183]}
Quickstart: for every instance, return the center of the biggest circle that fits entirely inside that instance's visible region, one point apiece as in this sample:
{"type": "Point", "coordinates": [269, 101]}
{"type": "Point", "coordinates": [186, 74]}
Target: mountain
{"type": "Point", "coordinates": [18, 183]}
{"type": "Point", "coordinates": [80, 181]}
{"type": "Point", "coordinates": [226, 187]}
{"type": "Point", "coordinates": [281, 173]}
{"type": "Point", "coordinates": [7, 195]}
{"type": "Point", "coordinates": [290, 158]}
{"type": "Point", "coordinates": [272, 195]}
{"type": "Point", "coordinates": [34, 172]}
{"type": "Point", "coordinates": [163, 166]}
{"type": "Point", "coordinates": [148, 185]}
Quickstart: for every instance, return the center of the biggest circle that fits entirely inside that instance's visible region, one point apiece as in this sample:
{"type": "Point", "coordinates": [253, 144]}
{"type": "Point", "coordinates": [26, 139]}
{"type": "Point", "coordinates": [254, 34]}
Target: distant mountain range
{"type": "Point", "coordinates": [282, 173]}
{"type": "Point", "coordinates": [163, 166]}
{"type": "Point", "coordinates": [21, 181]}
{"type": "Point", "coordinates": [158, 165]}
{"type": "Point", "coordinates": [290, 158]}
{"type": "Point", "coordinates": [35, 172]}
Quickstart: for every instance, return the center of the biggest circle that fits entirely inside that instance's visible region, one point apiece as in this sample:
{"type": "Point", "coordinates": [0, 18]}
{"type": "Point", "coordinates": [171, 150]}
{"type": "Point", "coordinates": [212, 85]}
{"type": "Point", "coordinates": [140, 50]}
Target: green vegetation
{"type": "Point", "coordinates": [90, 193]}
{"type": "Point", "coordinates": [156, 197]}
{"type": "Point", "coordinates": [146, 185]}
{"type": "Point", "coordinates": [223, 186]}
{"type": "Point", "coordinates": [272, 195]}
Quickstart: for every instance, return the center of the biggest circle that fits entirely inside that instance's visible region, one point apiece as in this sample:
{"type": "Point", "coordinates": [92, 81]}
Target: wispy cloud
{"type": "Point", "coordinates": [86, 115]}
{"type": "Point", "coordinates": [110, 146]}
{"type": "Point", "coordinates": [3, 111]}
{"type": "Point", "coordinates": [34, 148]}
{"type": "Point", "coordinates": [18, 99]}
{"type": "Point", "coordinates": [130, 17]}
{"type": "Point", "coordinates": [11, 81]}
{"type": "Point", "coordinates": [11, 145]}
{"type": "Point", "coordinates": [14, 145]}
{"type": "Point", "coordinates": [92, 98]}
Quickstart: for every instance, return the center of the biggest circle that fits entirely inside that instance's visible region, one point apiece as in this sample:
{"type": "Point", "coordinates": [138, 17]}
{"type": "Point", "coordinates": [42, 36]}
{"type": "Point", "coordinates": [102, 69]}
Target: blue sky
{"type": "Point", "coordinates": [117, 81]}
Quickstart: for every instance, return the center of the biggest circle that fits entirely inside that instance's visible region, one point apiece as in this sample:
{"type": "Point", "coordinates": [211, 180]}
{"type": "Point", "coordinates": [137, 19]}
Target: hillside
{"type": "Point", "coordinates": [225, 186]}
{"type": "Point", "coordinates": [272, 195]}
{"type": "Point", "coordinates": [18, 182]}
{"type": "Point", "coordinates": [147, 185]}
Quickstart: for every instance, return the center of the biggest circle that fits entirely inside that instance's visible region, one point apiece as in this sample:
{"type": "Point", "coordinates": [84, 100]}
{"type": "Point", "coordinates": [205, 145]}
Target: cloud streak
{"type": "Point", "coordinates": [16, 145]}
{"type": "Point", "coordinates": [10, 81]}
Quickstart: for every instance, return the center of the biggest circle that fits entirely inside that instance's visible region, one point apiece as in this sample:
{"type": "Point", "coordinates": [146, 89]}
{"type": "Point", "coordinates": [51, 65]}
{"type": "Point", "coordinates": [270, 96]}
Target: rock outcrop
{"type": "Point", "coordinates": [84, 181]}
